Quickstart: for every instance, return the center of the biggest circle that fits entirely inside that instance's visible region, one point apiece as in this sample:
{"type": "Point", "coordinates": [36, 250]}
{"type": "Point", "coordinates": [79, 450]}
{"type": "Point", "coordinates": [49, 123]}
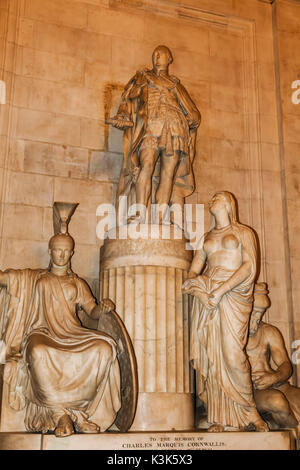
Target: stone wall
{"type": "Point", "coordinates": [288, 43]}
{"type": "Point", "coordinates": [65, 63]}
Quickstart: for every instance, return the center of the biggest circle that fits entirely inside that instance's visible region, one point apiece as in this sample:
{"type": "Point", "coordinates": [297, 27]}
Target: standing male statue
{"type": "Point", "coordinates": [160, 122]}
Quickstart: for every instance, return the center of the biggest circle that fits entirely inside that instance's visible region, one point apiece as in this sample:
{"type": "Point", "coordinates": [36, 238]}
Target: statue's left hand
{"type": "Point", "coordinates": [107, 305]}
{"type": "Point", "coordinates": [214, 298]}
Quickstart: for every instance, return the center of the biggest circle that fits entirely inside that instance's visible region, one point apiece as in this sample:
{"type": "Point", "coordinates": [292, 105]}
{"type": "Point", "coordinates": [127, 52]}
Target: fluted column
{"type": "Point", "coordinates": [144, 279]}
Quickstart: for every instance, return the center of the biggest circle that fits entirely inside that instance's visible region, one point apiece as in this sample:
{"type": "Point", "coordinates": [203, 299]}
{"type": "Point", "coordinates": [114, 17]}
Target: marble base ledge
{"type": "Point", "coordinates": [279, 440]}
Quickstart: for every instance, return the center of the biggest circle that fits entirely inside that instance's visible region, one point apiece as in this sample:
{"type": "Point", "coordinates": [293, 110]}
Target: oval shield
{"type": "Point", "coordinates": [111, 324]}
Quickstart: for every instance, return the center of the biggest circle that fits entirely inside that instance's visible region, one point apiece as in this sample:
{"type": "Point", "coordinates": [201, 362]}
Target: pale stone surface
{"type": "Point", "coordinates": [188, 37]}
{"type": "Point", "coordinates": [86, 260]}
{"type": "Point", "coordinates": [17, 253]}
{"type": "Point", "coordinates": [25, 188]}
{"type": "Point", "coordinates": [104, 21]}
{"type": "Point", "coordinates": [17, 226]}
{"type": "Point", "coordinates": [20, 441]}
{"type": "Point", "coordinates": [56, 97]}
{"type": "Point", "coordinates": [49, 66]}
{"type": "Point", "coordinates": [48, 127]}
{"type": "Point", "coordinates": [105, 166]}
{"type": "Point", "coordinates": [94, 71]}
{"type": "Point", "coordinates": [164, 411]}
{"type": "Point", "coordinates": [58, 12]}
{"type": "Point", "coordinates": [70, 41]}
{"type": "Point", "coordinates": [89, 193]}
{"type": "Point", "coordinates": [92, 134]}
{"type": "Point", "coordinates": [155, 441]}
{"type": "Point", "coordinates": [48, 159]}
{"type": "Point", "coordinates": [12, 420]}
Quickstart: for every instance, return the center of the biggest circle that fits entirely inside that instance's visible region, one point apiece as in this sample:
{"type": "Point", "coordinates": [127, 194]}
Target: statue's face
{"type": "Point", "coordinates": [217, 204]}
{"type": "Point", "coordinates": [255, 320]}
{"type": "Point", "coordinates": [61, 252]}
{"type": "Point", "coordinates": [161, 57]}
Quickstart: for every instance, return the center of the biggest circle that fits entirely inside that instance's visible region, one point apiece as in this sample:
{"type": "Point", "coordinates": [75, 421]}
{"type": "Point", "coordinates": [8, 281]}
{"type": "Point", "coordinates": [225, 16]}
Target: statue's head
{"type": "Point", "coordinates": [224, 201]}
{"type": "Point", "coordinates": [61, 249]}
{"type": "Point", "coordinates": [260, 306]}
{"type": "Point", "coordinates": [162, 57]}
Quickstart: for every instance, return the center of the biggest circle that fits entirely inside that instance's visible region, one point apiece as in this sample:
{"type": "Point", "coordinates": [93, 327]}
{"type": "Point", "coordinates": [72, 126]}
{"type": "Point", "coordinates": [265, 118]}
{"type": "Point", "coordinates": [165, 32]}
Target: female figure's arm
{"type": "Point", "coordinates": [191, 285]}
{"type": "Point", "coordinates": [197, 264]}
{"type": "Point", "coordinates": [87, 302]}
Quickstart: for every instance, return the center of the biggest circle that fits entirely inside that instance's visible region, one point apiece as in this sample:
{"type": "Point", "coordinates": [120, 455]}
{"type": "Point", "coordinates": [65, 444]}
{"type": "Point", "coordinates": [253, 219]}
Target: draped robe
{"type": "Point", "coordinates": [54, 365]}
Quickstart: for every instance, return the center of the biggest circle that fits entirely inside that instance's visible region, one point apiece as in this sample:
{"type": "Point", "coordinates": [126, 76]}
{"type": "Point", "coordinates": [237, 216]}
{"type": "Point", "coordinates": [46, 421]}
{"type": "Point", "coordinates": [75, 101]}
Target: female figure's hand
{"type": "Point", "coordinates": [214, 298]}
{"type": "Point", "coordinates": [190, 287]}
{"type": "Point", "coordinates": [187, 286]}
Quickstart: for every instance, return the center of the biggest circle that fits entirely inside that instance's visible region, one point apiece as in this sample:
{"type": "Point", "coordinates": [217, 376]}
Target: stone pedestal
{"type": "Point", "coordinates": [155, 442]}
{"type": "Point", "coordinates": [143, 276]}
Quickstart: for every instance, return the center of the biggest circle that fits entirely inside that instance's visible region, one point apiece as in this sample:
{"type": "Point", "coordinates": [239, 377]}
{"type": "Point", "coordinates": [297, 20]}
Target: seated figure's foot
{"type": "Point", "coordinates": [87, 427]}
{"type": "Point", "coordinates": [64, 427]}
{"type": "Point", "coordinates": [216, 428]}
{"type": "Point", "coordinates": [261, 426]}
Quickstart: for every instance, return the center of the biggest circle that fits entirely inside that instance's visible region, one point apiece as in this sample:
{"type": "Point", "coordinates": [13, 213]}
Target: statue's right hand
{"type": "Point", "coordinates": [203, 297]}
{"type": "Point", "coordinates": [190, 287]}
{"type": "Point", "coordinates": [119, 122]}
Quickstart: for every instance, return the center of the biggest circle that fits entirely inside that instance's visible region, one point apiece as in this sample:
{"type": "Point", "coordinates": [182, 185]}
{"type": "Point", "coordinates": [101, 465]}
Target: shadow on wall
{"type": "Point", "coordinates": [112, 93]}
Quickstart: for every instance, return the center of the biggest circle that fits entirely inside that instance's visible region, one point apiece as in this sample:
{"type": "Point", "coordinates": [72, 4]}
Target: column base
{"type": "Point", "coordinates": [164, 412]}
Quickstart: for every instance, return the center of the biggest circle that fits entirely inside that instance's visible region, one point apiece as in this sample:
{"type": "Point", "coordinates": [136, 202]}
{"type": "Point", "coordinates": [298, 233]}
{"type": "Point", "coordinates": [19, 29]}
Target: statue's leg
{"type": "Point", "coordinates": [148, 158]}
{"type": "Point", "coordinates": [168, 169]}
{"type": "Point", "coordinates": [275, 403]}
{"type": "Point", "coordinates": [293, 396]}
{"type": "Point", "coordinates": [83, 424]}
